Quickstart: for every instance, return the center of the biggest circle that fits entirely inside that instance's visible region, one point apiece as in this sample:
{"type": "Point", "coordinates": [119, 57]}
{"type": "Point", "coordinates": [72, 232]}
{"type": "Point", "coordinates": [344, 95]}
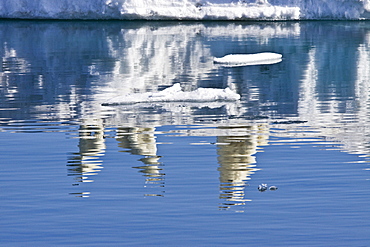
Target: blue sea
{"type": "Point", "coordinates": [75, 172]}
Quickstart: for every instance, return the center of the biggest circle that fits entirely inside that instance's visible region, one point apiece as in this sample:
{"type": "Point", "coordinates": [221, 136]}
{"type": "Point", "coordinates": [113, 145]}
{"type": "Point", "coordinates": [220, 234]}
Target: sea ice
{"type": "Point", "coordinates": [234, 60]}
{"type": "Point", "coordinates": [175, 94]}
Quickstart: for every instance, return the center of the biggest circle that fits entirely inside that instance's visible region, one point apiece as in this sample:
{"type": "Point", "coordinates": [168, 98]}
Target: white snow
{"type": "Point", "coordinates": [186, 9]}
{"type": "Point", "coordinates": [175, 94]}
{"type": "Point", "coordinates": [233, 60]}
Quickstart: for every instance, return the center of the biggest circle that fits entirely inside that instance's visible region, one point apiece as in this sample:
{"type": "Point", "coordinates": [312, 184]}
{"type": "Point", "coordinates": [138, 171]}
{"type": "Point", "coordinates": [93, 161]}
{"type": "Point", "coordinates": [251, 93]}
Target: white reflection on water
{"type": "Point", "coordinates": [237, 162]}
{"type": "Point", "coordinates": [318, 94]}
{"type": "Point", "coordinates": [142, 142]}
{"type": "Point", "coordinates": [87, 161]}
{"type": "Point", "coordinates": [341, 115]}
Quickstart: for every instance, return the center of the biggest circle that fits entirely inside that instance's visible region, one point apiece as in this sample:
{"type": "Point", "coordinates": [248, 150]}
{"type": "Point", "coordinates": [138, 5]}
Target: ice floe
{"type": "Point", "coordinates": [235, 60]}
{"type": "Point", "coordinates": [176, 94]}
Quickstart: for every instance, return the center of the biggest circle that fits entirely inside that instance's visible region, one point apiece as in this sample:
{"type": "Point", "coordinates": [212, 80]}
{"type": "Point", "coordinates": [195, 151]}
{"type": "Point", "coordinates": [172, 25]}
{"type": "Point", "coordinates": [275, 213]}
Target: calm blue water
{"type": "Point", "coordinates": [76, 173]}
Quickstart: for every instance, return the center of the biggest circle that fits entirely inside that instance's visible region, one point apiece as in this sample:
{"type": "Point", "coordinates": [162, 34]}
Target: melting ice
{"type": "Point", "coordinates": [175, 93]}
{"type": "Point", "coordinates": [186, 9]}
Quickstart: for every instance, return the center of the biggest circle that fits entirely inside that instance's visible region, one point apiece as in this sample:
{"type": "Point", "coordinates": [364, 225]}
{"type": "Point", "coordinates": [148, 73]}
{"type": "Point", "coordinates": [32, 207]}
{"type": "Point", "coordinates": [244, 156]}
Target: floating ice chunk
{"type": "Point", "coordinates": [234, 60]}
{"type": "Point", "coordinates": [175, 94]}
{"type": "Point", "coordinates": [262, 187]}
{"type": "Point", "coordinates": [273, 188]}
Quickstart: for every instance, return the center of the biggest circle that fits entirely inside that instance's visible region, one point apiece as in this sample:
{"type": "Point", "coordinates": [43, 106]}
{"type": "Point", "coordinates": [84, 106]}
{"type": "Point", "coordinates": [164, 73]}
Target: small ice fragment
{"type": "Point", "coordinates": [273, 188]}
{"type": "Point", "coordinates": [262, 187]}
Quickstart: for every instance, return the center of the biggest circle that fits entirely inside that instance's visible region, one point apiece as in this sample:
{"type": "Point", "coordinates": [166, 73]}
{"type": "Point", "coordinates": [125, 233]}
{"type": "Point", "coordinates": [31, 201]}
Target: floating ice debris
{"type": "Point", "coordinates": [175, 94]}
{"type": "Point", "coordinates": [81, 194]}
{"type": "Point", "coordinates": [262, 187]}
{"type": "Point", "coordinates": [235, 60]}
{"type": "Point", "coordinates": [273, 188]}
{"type": "Point", "coordinates": [289, 122]}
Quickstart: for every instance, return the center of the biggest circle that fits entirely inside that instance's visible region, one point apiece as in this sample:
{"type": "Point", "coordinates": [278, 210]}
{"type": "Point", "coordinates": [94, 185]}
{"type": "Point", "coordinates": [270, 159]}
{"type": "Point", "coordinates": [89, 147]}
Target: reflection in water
{"type": "Point", "coordinates": [237, 162]}
{"type": "Point", "coordinates": [335, 100]}
{"type": "Point", "coordinates": [47, 85]}
{"type": "Point", "coordinates": [142, 141]}
{"type": "Point", "coordinates": [87, 162]}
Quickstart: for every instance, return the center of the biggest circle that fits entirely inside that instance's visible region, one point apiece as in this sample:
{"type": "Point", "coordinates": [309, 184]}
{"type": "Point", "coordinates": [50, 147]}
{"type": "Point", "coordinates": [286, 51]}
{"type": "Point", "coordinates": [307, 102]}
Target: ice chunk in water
{"type": "Point", "coordinates": [232, 60]}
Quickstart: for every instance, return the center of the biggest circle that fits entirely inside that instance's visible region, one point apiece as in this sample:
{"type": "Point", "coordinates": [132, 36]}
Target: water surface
{"type": "Point", "coordinates": [75, 172]}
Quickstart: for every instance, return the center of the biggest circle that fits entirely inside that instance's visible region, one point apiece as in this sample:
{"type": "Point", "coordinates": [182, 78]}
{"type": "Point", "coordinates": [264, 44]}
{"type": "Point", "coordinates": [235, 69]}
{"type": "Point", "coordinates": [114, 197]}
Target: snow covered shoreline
{"type": "Point", "coordinates": [186, 9]}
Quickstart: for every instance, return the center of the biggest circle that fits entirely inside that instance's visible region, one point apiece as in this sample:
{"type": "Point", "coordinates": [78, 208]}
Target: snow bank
{"type": "Point", "coordinates": [175, 94]}
{"type": "Point", "coordinates": [234, 60]}
{"type": "Point", "coordinates": [186, 9]}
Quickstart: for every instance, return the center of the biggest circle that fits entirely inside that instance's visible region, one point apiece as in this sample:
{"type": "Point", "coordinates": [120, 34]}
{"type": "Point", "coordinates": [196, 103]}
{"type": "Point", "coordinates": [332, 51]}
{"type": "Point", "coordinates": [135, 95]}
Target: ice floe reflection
{"type": "Point", "coordinates": [318, 94]}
